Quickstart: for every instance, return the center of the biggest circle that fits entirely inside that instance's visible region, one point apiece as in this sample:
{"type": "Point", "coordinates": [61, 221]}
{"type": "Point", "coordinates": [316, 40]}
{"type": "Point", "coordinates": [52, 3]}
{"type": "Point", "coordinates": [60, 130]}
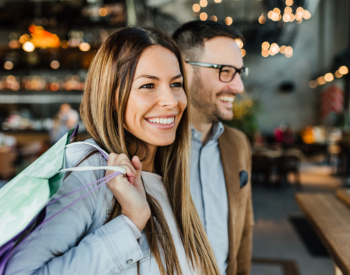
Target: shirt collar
{"type": "Point", "coordinates": [216, 132]}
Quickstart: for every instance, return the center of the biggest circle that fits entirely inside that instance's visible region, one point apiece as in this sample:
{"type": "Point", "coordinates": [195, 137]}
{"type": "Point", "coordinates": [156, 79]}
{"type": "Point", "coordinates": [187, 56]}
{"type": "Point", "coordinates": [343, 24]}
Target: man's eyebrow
{"type": "Point", "coordinates": [156, 78]}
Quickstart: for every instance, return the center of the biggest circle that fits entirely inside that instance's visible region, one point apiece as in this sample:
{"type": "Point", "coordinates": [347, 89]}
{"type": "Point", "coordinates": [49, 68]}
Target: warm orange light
{"type": "Point", "coordinates": [269, 15]}
{"type": "Point", "coordinates": [321, 80]}
{"type": "Point", "coordinates": [54, 87]}
{"type": "Point", "coordinates": [203, 16]}
{"type": "Point", "coordinates": [271, 52]}
{"type": "Point", "coordinates": [276, 10]}
{"type": "Point", "coordinates": [283, 49]}
{"type": "Point", "coordinates": [275, 48]}
{"type": "Point", "coordinates": [217, 1]}
{"type": "Point", "coordinates": [196, 7]}
{"type": "Point", "coordinates": [11, 79]}
{"type": "Point", "coordinates": [243, 52]}
{"type": "Point", "coordinates": [288, 50]}
{"type": "Point", "coordinates": [203, 3]}
{"type": "Point", "coordinates": [286, 17]}
{"type": "Point", "coordinates": [262, 19]}
{"type": "Point", "coordinates": [103, 12]}
{"type": "Point", "coordinates": [343, 70]}
{"type": "Point", "coordinates": [228, 20]}
{"type": "Point", "coordinates": [265, 53]}
{"type": "Point", "coordinates": [8, 65]}
{"type": "Point", "coordinates": [14, 44]}
{"type": "Point", "coordinates": [265, 45]}
{"type": "Point", "coordinates": [329, 77]}
{"type": "Point", "coordinates": [306, 15]}
{"type": "Point", "coordinates": [289, 54]}
{"type": "Point", "coordinates": [338, 74]}
{"type": "Point", "coordinates": [214, 18]}
{"type": "Point", "coordinates": [84, 47]}
{"type": "Point", "coordinates": [54, 64]}
{"type": "Point", "coordinates": [64, 44]}
{"type": "Point", "coordinates": [298, 17]}
{"type": "Point", "coordinates": [239, 43]}
{"type": "Point", "coordinates": [28, 46]}
{"type": "Point", "coordinates": [292, 17]}
{"type": "Point", "coordinates": [300, 10]}
{"type": "Point", "coordinates": [313, 84]}
{"type": "Point", "coordinates": [275, 16]}
{"type": "Point", "coordinates": [24, 38]}
{"type": "Point", "coordinates": [43, 39]}
{"type": "Point", "coordinates": [289, 2]}
{"type": "Point", "coordinates": [288, 10]}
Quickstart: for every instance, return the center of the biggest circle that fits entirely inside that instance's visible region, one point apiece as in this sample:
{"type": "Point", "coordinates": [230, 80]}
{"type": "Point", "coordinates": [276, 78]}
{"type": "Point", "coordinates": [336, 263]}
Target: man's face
{"type": "Point", "coordinates": [209, 96]}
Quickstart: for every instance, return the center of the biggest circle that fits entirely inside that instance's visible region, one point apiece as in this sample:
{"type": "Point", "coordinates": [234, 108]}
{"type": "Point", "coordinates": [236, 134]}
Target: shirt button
{"type": "Point", "coordinates": [130, 261]}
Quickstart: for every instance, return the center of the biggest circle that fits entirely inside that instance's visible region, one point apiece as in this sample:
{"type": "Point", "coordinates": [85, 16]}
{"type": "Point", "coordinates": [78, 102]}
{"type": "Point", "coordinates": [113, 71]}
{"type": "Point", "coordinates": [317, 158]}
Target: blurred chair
{"type": "Point", "coordinates": [261, 166]}
{"type": "Point", "coordinates": [286, 165]}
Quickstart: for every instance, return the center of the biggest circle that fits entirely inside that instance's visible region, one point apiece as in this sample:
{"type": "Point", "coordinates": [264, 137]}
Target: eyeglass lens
{"type": "Point", "coordinates": [227, 73]}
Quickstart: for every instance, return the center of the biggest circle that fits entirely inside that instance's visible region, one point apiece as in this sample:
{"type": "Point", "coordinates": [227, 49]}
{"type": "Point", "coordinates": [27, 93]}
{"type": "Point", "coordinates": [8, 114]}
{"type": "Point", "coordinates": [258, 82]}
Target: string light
{"type": "Point", "coordinates": [329, 77]}
{"type": "Point", "coordinates": [343, 70]}
{"type": "Point", "coordinates": [213, 18]}
{"type": "Point", "coordinates": [265, 45]}
{"type": "Point", "coordinates": [283, 49]}
{"type": "Point", "coordinates": [8, 65]}
{"type": "Point", "coordinates": [321, 80]}
{"type": "Point", "coordinates": [313, 84]}
{"type": "Point", "coordinates": [64, 44]}
{"type": "Point", "coordinates": [203, 16]}
{"type": "Point", "coordinates": [228, 20]}
{"type": "Point", "coordinates": [103, 12]}
{"type": "Point", "coordinates": [338, 74]}
{"type": "Point", "coordinates": [196, 7]}
{"type": "Point", "coordinates": [203, 3]}
{"type": "Point", "coordinates": [28, 46]}
{"type": "Point", "coordinates": [265, 53]}
{"type": "Point", "coordinates": [54, 64]}
{"type": "Point", "coordinates": [217, 1]}
{"type": "Point", "coordinates": [84, 47]}
{"type": "Point", "coordinates": [262, 19]}
{"type": "Point", "coordinates": [243, 52]}
{"type": "Point", "coordinates": [289, 2]}
{"type": "Point", "coordinates": [239, 43]}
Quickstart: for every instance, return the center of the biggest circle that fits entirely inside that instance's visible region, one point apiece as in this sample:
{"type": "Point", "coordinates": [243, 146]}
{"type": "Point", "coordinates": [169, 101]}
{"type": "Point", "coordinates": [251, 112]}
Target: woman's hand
{"type": "Point", "coordinates": [128, 189]}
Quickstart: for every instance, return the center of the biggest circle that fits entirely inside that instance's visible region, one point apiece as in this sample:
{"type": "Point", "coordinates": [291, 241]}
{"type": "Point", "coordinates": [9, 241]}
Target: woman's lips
{"type": "Point", "coordinates": [162, 126]}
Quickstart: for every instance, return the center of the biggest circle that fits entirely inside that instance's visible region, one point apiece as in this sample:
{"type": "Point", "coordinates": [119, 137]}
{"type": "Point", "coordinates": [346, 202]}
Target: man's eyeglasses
{"type": "Point", "coordinates": [226, 73]}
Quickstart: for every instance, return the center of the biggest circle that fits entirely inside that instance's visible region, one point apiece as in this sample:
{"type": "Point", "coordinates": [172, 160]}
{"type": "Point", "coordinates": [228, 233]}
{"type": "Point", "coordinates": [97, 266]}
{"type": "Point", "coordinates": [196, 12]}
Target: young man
{"type": "Point", "coordinates": [221, 156]}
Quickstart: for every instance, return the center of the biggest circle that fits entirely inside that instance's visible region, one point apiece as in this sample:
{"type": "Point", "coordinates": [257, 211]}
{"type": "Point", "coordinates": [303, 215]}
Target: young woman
{"type": "Point", "coordinates": [135, 108]}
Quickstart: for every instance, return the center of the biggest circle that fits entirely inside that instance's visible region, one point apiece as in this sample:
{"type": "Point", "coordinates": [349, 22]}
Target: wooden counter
{"type": "Point", "coordinates": [331, 220]}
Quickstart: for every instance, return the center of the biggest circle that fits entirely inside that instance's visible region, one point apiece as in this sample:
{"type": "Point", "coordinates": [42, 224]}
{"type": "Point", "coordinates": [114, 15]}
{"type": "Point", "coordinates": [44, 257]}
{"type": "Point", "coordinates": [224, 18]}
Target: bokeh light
{"type": "Point", "coordinates": [321, 80]}
{"type": "Point", "coordinates": [8, 65]}
{"type": "Point", "coordinates": [343, 70]}
{"type": "Point", "coordinates": [306, 15]}
{"type": "Point", "coordinates": [289, 2]}
{"type": "Point", "coordinates": [239, 43]}
{"type": "Point", "coordinates": [196, 7]}
{"type": "Point", "coordinates": [28, 46]}
{"type": "Point", "coordinates": [203, 16]}
{"type": "Point", "coordinates": [262, 19]}
{"type": "Point", "coordinates": [283, 49]}
{"type": "Point", "coordinates": [265, 53]}
{"type": "Point", "coordinates": [214, 18]}
{"type": "Point", "coordinates": [276, 10]}
{"type": "Point", "coordinates": [338, 74]}
{"type": "Point", "coordinates": [217, 1]}
{"type": "Point", "coordinates": [64, 44]}
{"type": "Point", "coordinates": [228, 21]}
{"type": "Point", "coordinates": [54, 64]}
{"type": "Point", "coordinates": [243, 52]}
{"type": "Point", "coordinates": [329, 77]}
{"type": "Point", "coordinates": [313, 84]}
{"type": "Point", "coordinates": [103, 12]}
{"type": "Point", "coordinates": [203, 3]}
{"type": "Point", "coordinates": [265, 45]}
{"type": "Point", "coordinates": [84, 47]}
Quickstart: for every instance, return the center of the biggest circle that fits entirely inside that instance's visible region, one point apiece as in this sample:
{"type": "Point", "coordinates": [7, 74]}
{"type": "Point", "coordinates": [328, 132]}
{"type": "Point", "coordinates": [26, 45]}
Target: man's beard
{"type": "Point", "coordinates": [201, 99]}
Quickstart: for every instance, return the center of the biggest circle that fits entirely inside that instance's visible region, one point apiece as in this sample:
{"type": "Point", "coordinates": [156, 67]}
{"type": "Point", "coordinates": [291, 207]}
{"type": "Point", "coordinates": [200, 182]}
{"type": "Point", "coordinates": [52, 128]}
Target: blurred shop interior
{"type": "Point", "coordinates": [295, 108]}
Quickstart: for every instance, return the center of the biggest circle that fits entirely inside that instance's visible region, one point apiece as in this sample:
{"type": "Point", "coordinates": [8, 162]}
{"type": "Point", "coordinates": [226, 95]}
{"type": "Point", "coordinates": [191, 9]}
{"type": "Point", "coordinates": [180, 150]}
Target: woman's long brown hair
{"type": "Point", "coordinates": [111, 75]}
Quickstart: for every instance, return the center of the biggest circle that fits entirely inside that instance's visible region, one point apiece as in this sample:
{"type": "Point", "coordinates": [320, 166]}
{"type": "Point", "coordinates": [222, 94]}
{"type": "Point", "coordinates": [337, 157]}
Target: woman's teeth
{"type": "Point", "coordinates": [227, 98]}
{"type": "Point", "coordinates": [162, 120]}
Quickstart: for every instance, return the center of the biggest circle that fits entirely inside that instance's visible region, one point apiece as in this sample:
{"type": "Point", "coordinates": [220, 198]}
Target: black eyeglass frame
{"type": "Point", "coordinates": [217, 66]}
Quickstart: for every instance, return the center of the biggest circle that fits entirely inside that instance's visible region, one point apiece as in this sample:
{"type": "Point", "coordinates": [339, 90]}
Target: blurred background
{"type": "Point", "coordinates": [295, 109]}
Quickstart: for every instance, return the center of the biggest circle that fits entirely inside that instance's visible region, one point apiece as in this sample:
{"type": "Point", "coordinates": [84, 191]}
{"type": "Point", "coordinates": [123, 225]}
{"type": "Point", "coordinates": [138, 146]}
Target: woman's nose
{"type": "Point", "coordinates": [167, 98]}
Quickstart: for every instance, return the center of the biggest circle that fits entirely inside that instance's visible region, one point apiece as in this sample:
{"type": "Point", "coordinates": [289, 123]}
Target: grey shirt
{"type": "Point", "coordinates": [208, 189]}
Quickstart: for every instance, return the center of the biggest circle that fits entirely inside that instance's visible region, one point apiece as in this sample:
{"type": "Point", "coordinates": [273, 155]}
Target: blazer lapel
{"type": "Point", "coordinates": [229, 158]}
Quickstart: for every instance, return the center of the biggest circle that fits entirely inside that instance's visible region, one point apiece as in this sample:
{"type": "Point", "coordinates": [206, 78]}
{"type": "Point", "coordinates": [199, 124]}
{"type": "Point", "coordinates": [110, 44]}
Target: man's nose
{"type": "Point", "coordinates": [167, 98]}
{"type": "Point", "coordinates": [236, 85]}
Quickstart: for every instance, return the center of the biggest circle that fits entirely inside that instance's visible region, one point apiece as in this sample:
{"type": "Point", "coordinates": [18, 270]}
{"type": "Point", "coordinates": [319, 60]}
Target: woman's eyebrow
{"type": "Point", "coordinates": [157, 78]}
{"type": "Point", "coordinates": [147, 76]}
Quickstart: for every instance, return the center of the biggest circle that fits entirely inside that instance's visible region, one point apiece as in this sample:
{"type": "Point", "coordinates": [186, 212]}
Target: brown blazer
{"type": "Point", "coordinates": [235, 154]}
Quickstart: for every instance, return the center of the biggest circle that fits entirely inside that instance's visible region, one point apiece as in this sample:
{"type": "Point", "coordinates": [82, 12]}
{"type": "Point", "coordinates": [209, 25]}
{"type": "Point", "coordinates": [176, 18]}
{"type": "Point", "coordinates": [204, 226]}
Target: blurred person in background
{"type": "Point", "coordinates": [221, 156]}
{"type": "Point", "coordinates": [66, 119]}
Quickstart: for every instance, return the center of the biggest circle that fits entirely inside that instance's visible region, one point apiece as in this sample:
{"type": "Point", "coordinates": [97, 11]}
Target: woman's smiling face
{"type": "Point", "coordinates": [157, 98]}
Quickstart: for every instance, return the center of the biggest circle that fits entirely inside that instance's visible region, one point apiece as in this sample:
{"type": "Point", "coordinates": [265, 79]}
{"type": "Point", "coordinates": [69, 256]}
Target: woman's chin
{"type": "Point", "coordinates": [161, 141]}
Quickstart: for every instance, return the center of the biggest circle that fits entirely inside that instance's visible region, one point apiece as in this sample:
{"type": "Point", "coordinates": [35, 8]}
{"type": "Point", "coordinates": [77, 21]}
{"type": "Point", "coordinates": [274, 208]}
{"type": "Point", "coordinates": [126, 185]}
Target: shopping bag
{"type": "Point", "coordinates": [23, 200]}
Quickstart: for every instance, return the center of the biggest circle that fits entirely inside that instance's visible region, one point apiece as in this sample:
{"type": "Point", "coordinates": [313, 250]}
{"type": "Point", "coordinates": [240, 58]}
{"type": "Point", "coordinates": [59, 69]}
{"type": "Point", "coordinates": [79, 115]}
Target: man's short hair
{"type": "Point", "coordinates": [190, 37]}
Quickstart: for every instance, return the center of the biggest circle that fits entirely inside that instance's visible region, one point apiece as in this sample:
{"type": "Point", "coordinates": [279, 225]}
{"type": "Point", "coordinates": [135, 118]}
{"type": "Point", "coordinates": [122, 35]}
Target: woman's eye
{"type": "Point", "coordinates": [177, 85]}
{"type": "Point", "coordinates": [147, 86]}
